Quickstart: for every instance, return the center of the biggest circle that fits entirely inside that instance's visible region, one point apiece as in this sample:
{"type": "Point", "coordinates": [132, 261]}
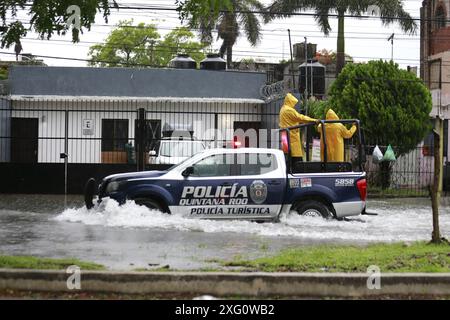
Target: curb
{"type": "Point", "coordinates": [229, 283]}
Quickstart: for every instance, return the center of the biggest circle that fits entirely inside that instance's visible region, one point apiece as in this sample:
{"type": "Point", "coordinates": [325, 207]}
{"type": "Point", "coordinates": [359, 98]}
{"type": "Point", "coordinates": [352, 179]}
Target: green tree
{"type": "Point", "coordinates": [180, 40]}
{"type": "Point", "coordinates": [48, 17]}
{"type": "Point", "coordinates": [388, 10]}
{"type": "Point", "coordinates": [202, 13]}
{"type": "Point", "coordinates": [317, 109]}
{"type": "Point", "coordinates": [229, 16]}
{"type": "Point", "coordinates": [392, 104]}
{"type": "Point", "coordinates": [3, 73]}
{"type": "Point", "coordinates": [127, 45]}
{"type": "Point", "coordinates": [131, 45]}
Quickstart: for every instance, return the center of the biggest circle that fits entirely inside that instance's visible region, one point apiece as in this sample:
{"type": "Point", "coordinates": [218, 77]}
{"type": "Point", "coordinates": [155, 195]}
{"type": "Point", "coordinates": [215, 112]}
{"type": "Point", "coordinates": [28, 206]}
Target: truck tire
{"type": "Point", "coordinates": [150, 203]}
{"type": "Point", "coordinates": [313, 208]}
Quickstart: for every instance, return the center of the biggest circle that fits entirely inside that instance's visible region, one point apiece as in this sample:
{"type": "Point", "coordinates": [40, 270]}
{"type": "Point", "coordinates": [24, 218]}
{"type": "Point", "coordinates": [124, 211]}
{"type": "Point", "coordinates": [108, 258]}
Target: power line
{"type": "Point", "coordinates": [158, 66]}
{"type": "Point", "coordinates": [282, 14]}
{"type": "Point", "coordinates": [86, 60]}
{"type": "Point", "coordinates": [174, 48]}
{"type": "Point", "coordinates": [134, 64]}
{"type": "Point", "coordinates": [263, 31]}
{"type": "Point", "coordinates": [268, 33]}
{"type": "Point", "coordinates": [271, 32]}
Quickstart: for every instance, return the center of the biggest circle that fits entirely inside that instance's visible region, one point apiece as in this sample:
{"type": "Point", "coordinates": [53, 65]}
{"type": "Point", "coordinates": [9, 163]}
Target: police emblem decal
{"type": "Point", "coordinates": [258, 191]}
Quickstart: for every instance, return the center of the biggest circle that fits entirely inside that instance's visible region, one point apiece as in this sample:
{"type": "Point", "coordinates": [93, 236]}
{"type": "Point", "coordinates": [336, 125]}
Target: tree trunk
{"type": "Point", "coordinates": [152, 43]}
{"type": "Point", "coordinates": [435, 191]}
{"type": "Point", "coordinates": [229, 57]}
{"type": "Point", "coordinates": [127, 58]}
{"type": "Point", "coordinates": [340, 52]}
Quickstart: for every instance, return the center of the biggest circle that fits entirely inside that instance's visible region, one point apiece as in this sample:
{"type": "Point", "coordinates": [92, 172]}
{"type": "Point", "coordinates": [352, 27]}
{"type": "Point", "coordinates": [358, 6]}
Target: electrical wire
{"type": "Point", "coordinates": [149, 65]}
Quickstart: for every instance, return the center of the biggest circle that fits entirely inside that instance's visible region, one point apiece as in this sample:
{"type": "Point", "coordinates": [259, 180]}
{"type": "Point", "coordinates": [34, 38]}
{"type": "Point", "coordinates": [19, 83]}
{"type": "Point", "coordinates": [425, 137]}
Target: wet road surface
{"type": "Point", "coordinates": [131, 236]}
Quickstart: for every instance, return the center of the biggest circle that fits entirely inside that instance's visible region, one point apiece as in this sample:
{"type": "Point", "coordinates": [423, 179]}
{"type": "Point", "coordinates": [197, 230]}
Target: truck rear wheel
{"type": "Point", "coordinates": [150, 203]}
{"type": "Point", "coordinates": [313, 208]}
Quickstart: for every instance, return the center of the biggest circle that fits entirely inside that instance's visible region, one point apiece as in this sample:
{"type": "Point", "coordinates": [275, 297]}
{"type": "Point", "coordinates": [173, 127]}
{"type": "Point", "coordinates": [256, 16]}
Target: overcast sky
{"type": "Point", "coordinates": [365, 39]}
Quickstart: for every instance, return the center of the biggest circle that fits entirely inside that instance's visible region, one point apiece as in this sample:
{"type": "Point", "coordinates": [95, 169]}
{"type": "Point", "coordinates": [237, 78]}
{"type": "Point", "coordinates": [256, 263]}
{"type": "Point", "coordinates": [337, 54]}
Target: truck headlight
{"type": "Point", "coordinates": [113, 186]}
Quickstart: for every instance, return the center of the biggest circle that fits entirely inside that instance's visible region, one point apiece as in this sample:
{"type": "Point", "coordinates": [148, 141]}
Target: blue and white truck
{"type": "Point", "coordinates": [246, 183]}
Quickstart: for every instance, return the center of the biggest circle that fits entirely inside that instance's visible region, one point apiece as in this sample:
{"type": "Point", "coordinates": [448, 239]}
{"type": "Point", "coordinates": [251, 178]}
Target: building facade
{"type": "Point", "coordinates": [90, 113]}
{"type": "Point", "coordinates": [435, 59]}
{"type": "Point", "coordinates": [85, 119]}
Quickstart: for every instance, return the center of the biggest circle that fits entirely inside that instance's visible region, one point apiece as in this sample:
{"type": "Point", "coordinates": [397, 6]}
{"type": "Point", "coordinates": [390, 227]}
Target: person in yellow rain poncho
{"type": "Point", "coordinates": [289, 117]}
{"type": "Point", "coordinates": [335, 135]}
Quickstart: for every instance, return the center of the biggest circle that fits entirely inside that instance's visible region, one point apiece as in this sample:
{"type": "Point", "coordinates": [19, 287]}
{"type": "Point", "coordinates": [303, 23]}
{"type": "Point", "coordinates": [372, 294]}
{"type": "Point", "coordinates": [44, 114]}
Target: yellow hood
{"type": "Point", "coordinates": [331, 115]}
{"type": "Point", "coordinates": [290, 100]}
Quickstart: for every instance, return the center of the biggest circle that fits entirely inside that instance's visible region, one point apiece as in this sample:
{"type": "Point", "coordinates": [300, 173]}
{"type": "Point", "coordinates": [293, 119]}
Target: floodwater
{"type": "Point", "coordinates": [130, 236]}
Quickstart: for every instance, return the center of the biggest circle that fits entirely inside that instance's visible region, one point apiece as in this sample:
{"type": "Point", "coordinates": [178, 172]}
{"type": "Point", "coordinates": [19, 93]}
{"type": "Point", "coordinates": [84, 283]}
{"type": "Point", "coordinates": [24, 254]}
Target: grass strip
{"type": "Point", "coordinates": [29, 262]}
{"type": "Point", "coordinates": [397, 257]}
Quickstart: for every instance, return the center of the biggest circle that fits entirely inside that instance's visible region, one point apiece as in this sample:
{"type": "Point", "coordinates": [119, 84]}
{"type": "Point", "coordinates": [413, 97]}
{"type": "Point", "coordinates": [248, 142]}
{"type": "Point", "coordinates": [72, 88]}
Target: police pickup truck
{"type": "Point", "coordinates": [247, 183]}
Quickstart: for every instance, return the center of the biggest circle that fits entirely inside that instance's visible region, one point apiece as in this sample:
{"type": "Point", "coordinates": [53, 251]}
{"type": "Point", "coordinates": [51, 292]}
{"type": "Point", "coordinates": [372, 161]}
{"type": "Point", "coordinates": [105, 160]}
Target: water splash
{"type": "Point", "coordinates": [393, 223]}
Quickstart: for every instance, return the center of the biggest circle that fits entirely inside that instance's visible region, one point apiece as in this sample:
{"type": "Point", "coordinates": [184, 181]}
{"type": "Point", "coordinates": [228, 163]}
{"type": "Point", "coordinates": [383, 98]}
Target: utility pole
{"type": "Point", "coordinates": [391, 38]}
{"type": "Point", "coordinates": [292, 62]}
{"type": "Point", "coordinates": [306, 76]}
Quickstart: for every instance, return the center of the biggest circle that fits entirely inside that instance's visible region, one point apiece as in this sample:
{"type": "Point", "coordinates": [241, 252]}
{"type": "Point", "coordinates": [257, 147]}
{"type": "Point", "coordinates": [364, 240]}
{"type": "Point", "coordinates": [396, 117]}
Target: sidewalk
{"type": "Point", "coordinates": [222, 284]}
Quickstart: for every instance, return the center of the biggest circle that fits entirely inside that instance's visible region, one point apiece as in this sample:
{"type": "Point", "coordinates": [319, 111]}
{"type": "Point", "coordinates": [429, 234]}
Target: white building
{"type": "Point", "coordinates": [90, 114]}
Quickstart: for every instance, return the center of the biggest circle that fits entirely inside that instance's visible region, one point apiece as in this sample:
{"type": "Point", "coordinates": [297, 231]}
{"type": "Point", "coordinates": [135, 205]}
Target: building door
{"type": "Point", "coordinates": [246, 138]}
{"type": "Point", "coordinates": [24, 140]}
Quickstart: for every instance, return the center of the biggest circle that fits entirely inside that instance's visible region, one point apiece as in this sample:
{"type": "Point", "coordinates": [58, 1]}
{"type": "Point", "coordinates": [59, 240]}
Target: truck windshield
{"type": "Point", "coordinates": [180, 148]}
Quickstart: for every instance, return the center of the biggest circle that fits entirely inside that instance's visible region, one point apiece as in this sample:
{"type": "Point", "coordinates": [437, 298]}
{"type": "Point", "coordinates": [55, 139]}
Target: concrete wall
{"type": "Point", "coordinates": [66, 81]}
{"type": "Point", "coordinates": [5, 129]}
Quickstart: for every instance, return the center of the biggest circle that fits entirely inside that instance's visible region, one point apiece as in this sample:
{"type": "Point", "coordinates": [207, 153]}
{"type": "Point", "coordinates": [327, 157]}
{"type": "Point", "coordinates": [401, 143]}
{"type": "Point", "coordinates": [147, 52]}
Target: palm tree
{"type": "Point", "coordinates": [388, 10]}
{"type": "Point", "coordinates": [229, 21]}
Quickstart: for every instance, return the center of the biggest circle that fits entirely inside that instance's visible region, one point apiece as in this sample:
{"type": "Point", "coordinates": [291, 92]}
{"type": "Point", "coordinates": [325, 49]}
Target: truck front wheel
{"type": "Point", "coordinates": [150, 203]}
{"type": "Point", "coordinates": [312, 208]}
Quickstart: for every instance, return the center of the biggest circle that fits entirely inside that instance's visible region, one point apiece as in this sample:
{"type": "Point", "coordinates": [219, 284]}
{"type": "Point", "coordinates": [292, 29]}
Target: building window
{"type": "Point", "coordinates": [439, 18]}
{"type": "Point", "coordinates": [435, 74]}
{"type": "Point", "coordinates": [114, 134]}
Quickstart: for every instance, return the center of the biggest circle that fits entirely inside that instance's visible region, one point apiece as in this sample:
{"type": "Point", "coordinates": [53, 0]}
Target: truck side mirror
{"type": "Point", "coordinates": [152, 153]}
{"type": "Point", "coordinates": [187, 172]}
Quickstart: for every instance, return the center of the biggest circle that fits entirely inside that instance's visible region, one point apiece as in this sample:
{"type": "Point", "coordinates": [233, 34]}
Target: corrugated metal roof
{"type": "Point", "coordinates": [134, 82]}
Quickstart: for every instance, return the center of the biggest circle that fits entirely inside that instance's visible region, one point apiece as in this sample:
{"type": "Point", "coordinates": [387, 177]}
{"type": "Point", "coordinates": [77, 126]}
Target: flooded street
{"type": "Point", "coordinates": [131, 237]}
